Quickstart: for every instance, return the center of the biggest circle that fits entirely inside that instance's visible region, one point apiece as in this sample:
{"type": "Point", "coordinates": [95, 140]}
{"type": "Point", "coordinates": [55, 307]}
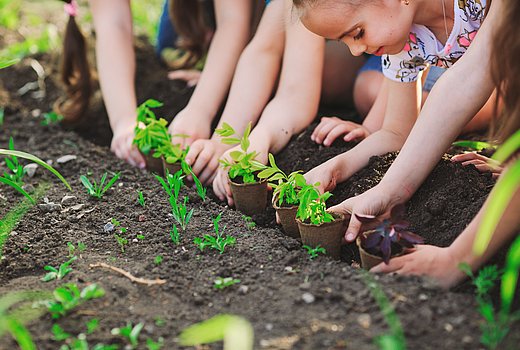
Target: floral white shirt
{"type": "Point", "coordinates": [423, 48]}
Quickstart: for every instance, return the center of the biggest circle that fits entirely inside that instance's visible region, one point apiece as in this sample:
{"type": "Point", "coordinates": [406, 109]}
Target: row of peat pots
{"type": "Point", "coordinates": [251, 199]}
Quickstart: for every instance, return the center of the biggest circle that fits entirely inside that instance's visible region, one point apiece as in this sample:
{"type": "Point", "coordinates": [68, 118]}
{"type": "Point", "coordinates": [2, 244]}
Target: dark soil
{"type": "Point", "coordinates": [292, 302]}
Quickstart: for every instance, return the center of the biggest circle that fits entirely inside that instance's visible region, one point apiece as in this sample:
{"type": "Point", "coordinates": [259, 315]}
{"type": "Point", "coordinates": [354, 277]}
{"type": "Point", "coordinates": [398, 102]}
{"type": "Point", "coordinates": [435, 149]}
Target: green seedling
{"type": "Point", "coordinates": [243, 164]}
{"type": "Point", "coordinates": [16, 171]}
{"type": "Point", "coordinates": [121, 241]}
{"type": "Point", "coordinates": [140, 199]}
{"type": "Point", "coordinates": [81, 343]}
{"type": "Point", "coordinates": [312, 206]}
{"type": "Point", "coordinates": [314, 252]}
{"type": "Point", "coordinates": [201, 190]}
{"type": "Point", "coordinates": [8, 63]}
{"type": "Point", "coordinates": [154, 345]}
{"type": "Point", "coordinates": [221, 283]}
{"type": "Point", "coordinates": [72, 248]}
{"type": "Point", "coordinates": [140, 237]}
{"type": "Point", "coordinates": [150, 132]}
{"type": "Point", "coordinates": [58, 273]}
{"type": "Point", "coordinates": [497, 324]}
{"type": "Point", "coordinates": [17, 309]}
{"type": "Point", "coordinates": [172, 186]}
{"type": "Point", "coordinates": [236, 332]}
{"type": "Point", "coordinates": [249, 222]}
{"type": "Point", "coordinates": [92, 325]}
{"type": "Point", "coordinates": [174, 235]}
{"type": "Point", "coordinates": [68, 296]}
{"type": "Point", "coordinates": [2, 115]}
{"type": "Point", "coordinates": [159, 322]}
{"type": "Point", "coordinates": [172, 153]}
{"type": "Point", "coordinates": [131, 333]}
{"type": "Point", "coordinates": [98, 190]}
{"type": "Point", "coordinates": [59, 333]}
{"type": "Point", "coordinates": [217, 242]}
{"type": "Point", "coordinates": [395, 339]}
{"type": "Point", "coordinates": [285, 187]}
{"type": "Point", "coordinates": [158, 260]}
{"type": "Point", "coordinates": [474, 145]}
{"type": "Point", "coordinates": [51, 118]}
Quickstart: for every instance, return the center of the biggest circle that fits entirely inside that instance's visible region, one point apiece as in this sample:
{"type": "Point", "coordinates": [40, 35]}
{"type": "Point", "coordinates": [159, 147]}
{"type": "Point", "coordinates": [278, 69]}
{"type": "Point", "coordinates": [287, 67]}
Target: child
{"type": "Point", "coordinates": [445, 113]}
{"type": "Point", "coordinates": [281, 49]}
{"type": "Point", "coordinates": [409, 35]}
{"type": "Point", "coordinates": [116, 66]}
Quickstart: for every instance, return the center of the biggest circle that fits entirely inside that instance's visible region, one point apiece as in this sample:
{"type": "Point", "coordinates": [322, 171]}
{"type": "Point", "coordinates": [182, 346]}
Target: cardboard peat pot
{"type": "Point", "coordinates": [249, 198]}
{"type": "Point", "coordinates": [154, 165]}
{"type": "Point", "coordinates": [172, 167]}
{"type": "Point", "coordinates": [287, 217]}
{"type": "Point", "coordinates": [327, 235]}
{"type": "Point", "coordinates": [370, 260]}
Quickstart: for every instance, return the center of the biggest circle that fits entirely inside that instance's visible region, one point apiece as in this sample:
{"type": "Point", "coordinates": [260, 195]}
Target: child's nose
{"type": "Point", "coordinates": [357, 49]}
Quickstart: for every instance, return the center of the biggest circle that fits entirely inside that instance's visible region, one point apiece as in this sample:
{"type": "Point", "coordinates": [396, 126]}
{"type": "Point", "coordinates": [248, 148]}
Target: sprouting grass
{"type": "Point", "coordinates": [98, 190]}
{"type": "Point", "coordinates": [11, 219]}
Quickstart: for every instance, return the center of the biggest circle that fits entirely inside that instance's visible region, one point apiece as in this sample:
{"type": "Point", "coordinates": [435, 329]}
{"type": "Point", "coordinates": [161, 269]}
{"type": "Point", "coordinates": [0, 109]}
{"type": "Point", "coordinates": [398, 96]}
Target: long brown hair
{"type": "Point", "coordinates": [75, 73]}
{"type": "Point", "coordinates": [506, 70]}
{"type": "Point", "coordinates": [192, 25]}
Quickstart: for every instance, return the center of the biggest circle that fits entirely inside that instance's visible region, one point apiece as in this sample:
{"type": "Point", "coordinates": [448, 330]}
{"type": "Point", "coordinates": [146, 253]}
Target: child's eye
{"type": "Point", "coordinates": [359, 34]}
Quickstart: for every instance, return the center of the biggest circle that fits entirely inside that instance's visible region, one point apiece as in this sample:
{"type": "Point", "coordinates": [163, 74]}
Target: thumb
{"type": "Point", "coordinates": [353, 229]}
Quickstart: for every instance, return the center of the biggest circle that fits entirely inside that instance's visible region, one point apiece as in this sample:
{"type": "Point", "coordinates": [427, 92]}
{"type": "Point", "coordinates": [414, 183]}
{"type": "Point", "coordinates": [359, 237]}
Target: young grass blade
{"type": "Point", "coordinates": [498, 200]}
{"type": "Point", "coordinates": [510, 146]}
{"type": "Point", "coordinates": [111, 182]}
{"type": "Point", "coordinates": [17, 188]}
{"type": "Point", "coordinates": [20, 334]}
{"type": "Point", "coordinates": [474, 145]}
{"type": "Point", "coordinates": [510, 277]}
{"type": "Point", "coordinates": [28, 156]}
{"type": "Point", "coordinates": [8, 63]}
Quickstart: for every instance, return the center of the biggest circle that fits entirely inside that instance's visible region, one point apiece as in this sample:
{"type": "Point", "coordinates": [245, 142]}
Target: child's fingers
{"type": "Point", "coordinates": [203, 158]}
{"type": "Point", "coordinates": [229, 195]}
{"type": "Point", "coordinates": [193, 152]}
{"type": "Point", "coordinates": [323, 122]}
{"type": "Point", "coordinates": [323, 129]}
{"type": "Point", "coordinates": [209, 171]}
{"type": "Point", "coordinates": [468, 156]}
{"type": "Point", "coordinates": [359, 133]}
{"type": "Point", "coordinates": [184, 74]}
{"type": "Point", "coordinates": [217, 187]}
{"type": "Point", "coordinates": [333, 134]}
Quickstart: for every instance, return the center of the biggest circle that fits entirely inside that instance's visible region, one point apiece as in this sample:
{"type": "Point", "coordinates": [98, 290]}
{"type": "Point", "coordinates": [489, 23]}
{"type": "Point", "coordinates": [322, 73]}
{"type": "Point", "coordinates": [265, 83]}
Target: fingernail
{"type": "Point", "coordinates": [188, 160]}
{"type": "Point", "coordinates": [350, 237]}
{"type": "Point", "coordinates": [142, 165]}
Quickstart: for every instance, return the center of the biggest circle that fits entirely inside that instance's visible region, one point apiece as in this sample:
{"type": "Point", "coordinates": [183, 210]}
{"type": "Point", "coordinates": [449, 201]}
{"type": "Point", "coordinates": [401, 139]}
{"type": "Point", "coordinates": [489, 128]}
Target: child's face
{"type": "Point", "coordinates": [377, 28]}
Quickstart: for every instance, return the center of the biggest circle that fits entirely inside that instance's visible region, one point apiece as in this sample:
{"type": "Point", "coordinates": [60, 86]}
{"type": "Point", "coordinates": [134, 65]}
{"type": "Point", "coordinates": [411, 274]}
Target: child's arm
{"type": "Point", "coordinates": [116, 67]}
{"type": "Point", "coordinates": [442, 263]}
{"type": "Point", "coordinates": [233, 20]}
{"type": "Point", "coordinates": [253, 83]}
{"type": "Point", "coordinates": [296, 101]}
{"type": "Point", "coordinates": [401, 112]}
{"type": "Point", "coordinates": [448, 108]}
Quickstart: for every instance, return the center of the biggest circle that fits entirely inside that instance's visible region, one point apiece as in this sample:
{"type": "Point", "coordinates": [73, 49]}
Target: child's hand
{"type": "Point", "coordinates": [190, 76]}
{"type": "Point", "coordinates": [324, 174]}
{"type": "Point", "coordinates": [482, 163]}
{"type": "Point", "coordinates": [124, 149]}
{"type": "Point", "coordinates": [330, 128]}
{"type": "Point", "coordinates": [203, 158]}
{"type": "Point", "coordinates": [191, 123]}
{"type": "Point", "coordinates": [426, 260]}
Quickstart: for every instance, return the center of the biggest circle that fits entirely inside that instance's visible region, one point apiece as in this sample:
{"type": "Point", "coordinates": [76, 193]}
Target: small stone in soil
{"type": "Point", "coordinates": [109, 227]}
{"type": "Point", "coordinates": [30, 169]}
{"type": "Point", "coordinates": [243, 289]}
{"type": "Point", "coordinates": [68, 200]}
{"type": "Point", "coordinates": [308, 298]}
{"type": "Point", "coordinates": [66, 158]}
{"type": "Point", "coordinates": [364, 320]}
{"type": "Point", "coordinates": [268, 326]}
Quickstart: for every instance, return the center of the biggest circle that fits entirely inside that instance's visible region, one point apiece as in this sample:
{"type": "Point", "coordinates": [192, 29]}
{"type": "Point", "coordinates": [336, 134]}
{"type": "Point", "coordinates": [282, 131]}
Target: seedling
{"type": "Point", "coordinates": [249, 222]}
{"type": "Point", "coordinates": [158, 260]}
{"type": "Point", "coordinates": [58, 273]}
{"type": "Point", "coordinates": [131, 333]}
{"type": "Point", "coordinates": [16, 171]}
{"type": "Point", "coordinates": [51, 118]}
{"type": "Point", "coordinates": [68, 296]}
{"type": "Point", "coordinates": [243, 164]}
{"type": "Point", "coordinates": [154, 345]}
{"type": "Point", "coordinates": [95, 190]}
{"type": "Point", "coordinates": [140, 199]}
{"type": "Point", "coordinates": [59, 333]}
{"type": "Point", "coordinates": [201, 190]}
{"type": "Point", "coordinates": [92, 325]}
{"type": "Point", "coordinates": [120, 239]}
{"type": "Point", "coordinates": [285, 187]}
{"type": "Point", "coordinates": [172, 186]}
{"type": "Point", "coordinates": [314, 252]}
{"type": "Point", "coordinates": [140, 237]}
{"type": "Point", "coordinates": [81, 343]}
{"type": "Point", "coordinates": [72, 249]}
{"type": "Point", "coordinates": [388, 233]}
{"type": "Point", "coordinates": [2, 116]}
{"type": "Point", "coordinates": [221, 283]}
{"type": "Point", "coordinates": [312, 206]}
{"type": "Point", "coordinates": [150, 132]}
{"type": "Point", "coordinates": [474, 145]}
{"type": "Point", "coordinates": [174, 235]}
{"type": "Point", "coordinates": [218, 242]}
{"type": "Point", "coordinates": [172, 153]}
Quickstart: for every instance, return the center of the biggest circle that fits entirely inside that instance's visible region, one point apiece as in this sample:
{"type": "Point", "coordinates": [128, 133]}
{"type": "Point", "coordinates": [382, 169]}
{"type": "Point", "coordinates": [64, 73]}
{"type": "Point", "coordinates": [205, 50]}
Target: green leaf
{"type": "Point", "coordinates": [230, 141]}
{"type": "Point", "coordinates": [475, 145]}
{"type": "Point", "coordinates": [17, 188]}
{"type": "Point", "coordinates": [511, 145]}
{"type": "Point", "coordinates": [21, 334]}
{"type": "Point", "coordinates": [510, 276]}
{"type": "Point", "coordinates": [37, 161]}
{"type": "Point", "coordinates": [5, 64]}
{"type": "Point", "coordinates": [498, 201]}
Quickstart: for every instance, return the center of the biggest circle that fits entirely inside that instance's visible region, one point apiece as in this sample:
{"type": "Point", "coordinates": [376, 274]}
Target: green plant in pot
{"type": "Point", "coordinates": [385, 239]}
{"type": "Point", "coordinates": [249, 192]}
{"type": "Point", "coordinates": [285, 194]}
{"type": "Point", "coordinates": [150, 134]}
{"type": "Point", "coordinates": [172, 156]}
{"type": "Point", "coordinates": [317, 226]}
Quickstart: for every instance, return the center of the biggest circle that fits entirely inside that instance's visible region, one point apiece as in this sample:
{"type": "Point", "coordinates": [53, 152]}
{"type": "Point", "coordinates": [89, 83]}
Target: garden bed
{"type": "Point", "coordinates": [291, 301]}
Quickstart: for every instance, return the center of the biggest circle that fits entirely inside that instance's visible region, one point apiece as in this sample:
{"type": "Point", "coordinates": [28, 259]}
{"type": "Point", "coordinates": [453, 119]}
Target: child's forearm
{"type": "Point", "coordinates": [115, 60]}
{"type": "Point", "coordinates": [230, 38]}
{"type": "Point", "coordinates": [257, 71]}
